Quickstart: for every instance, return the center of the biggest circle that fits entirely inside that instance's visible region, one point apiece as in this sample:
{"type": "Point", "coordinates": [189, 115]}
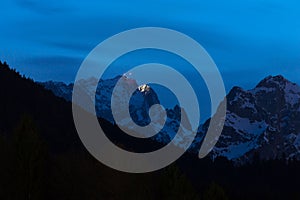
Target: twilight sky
{"type": "Point", "coordinates": [248, 40]}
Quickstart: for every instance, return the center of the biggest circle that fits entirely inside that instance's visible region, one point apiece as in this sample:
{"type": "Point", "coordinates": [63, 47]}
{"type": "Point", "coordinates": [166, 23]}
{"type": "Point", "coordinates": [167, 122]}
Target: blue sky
{"type": "Point", "coordinates": [248, 40]}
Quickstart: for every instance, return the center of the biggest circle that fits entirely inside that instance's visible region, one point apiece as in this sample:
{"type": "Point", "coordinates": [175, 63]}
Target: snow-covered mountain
{"type": "Point", "coordinates": [263, 121]}
{"type": "Point", "coordinates": [142, 99]}
{"type": "Point", "coordinates": [60, 89]}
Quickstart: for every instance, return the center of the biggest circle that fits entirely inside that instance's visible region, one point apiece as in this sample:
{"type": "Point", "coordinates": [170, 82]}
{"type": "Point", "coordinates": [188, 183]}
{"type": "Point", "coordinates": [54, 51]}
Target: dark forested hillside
{"type": "Point", "coordinates": [20, 96]}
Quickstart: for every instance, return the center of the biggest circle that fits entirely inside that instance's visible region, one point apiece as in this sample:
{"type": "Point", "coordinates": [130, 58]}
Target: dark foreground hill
{"type": "Point", "coordinates": [21, 96]}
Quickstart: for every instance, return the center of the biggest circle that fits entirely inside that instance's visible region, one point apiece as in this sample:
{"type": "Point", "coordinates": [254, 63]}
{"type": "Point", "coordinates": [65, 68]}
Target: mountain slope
{"type": "Point", "coordinates": [263, 121]}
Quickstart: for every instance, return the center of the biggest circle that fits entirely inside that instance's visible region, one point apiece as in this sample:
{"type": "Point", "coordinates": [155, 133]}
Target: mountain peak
{"type": "Point", "coordinates": [281, 86]}
{"type": "Point", "coordinates": [263, 119]}
{"type": "Point", "coordinates": [273, 81]}
{"type": "Point", "coordinates": [144, 88]}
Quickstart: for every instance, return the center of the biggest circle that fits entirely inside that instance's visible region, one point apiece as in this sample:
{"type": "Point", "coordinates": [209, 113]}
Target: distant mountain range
{"type": "Point", "coordinates": [264, 121]}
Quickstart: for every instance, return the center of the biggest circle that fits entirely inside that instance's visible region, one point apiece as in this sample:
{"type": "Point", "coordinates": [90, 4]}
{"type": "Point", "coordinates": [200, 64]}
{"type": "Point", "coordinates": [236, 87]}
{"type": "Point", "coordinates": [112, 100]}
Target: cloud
{"type": "Point", "coordinates": [239, 35]}
{"type": "Point", "coordinates": [41, 7]}
{"type": "Point", "coordinates": [53, 67]}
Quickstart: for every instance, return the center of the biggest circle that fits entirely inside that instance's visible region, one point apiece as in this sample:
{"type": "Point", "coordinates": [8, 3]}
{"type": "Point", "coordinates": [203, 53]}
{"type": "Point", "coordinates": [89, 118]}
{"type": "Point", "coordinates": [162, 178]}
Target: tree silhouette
{"type": "Point", "coordinates": [215, 192]}
{"type": "Point", "coordinates": [175, 185]}
{"type": "Point", "coordinates": [29, 154]}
